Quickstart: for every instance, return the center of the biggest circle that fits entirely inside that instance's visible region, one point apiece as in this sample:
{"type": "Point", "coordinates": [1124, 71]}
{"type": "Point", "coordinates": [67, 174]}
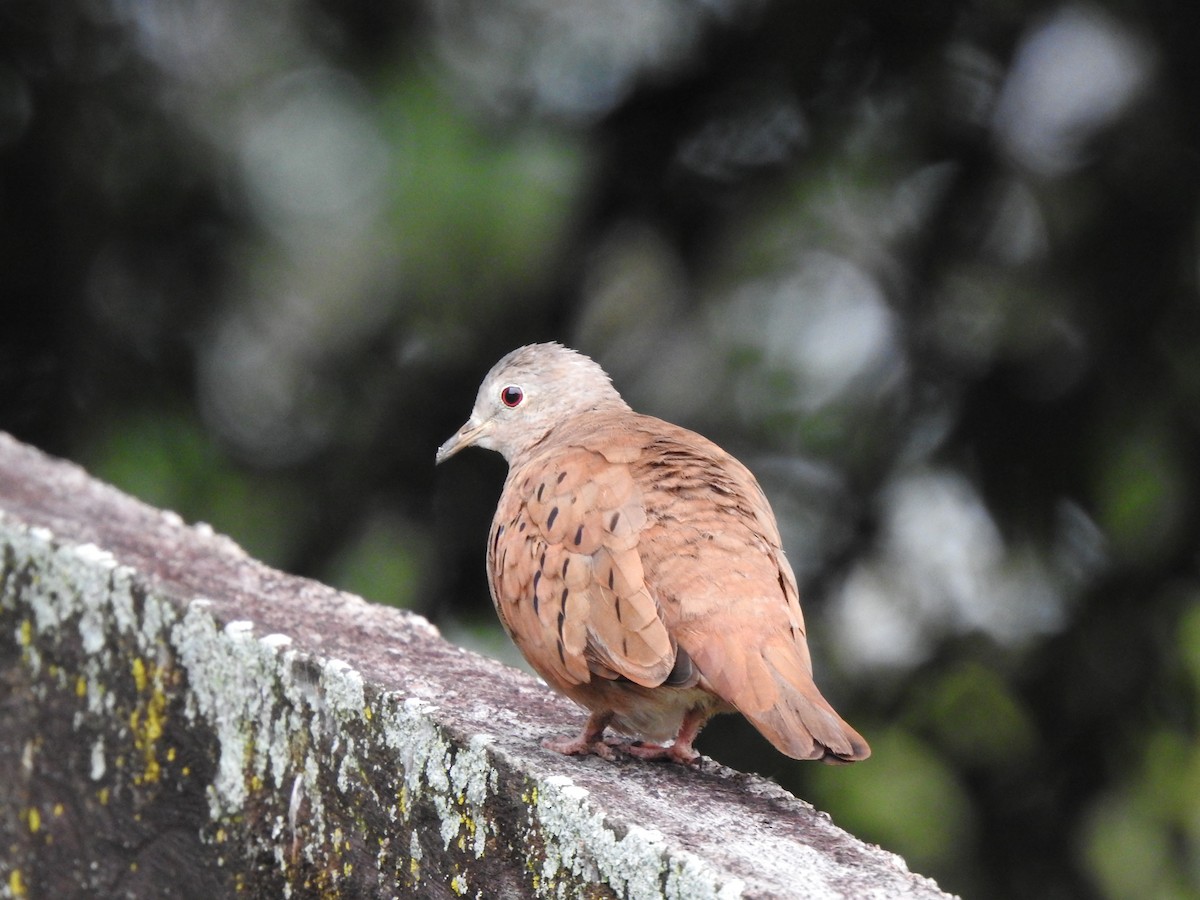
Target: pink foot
{"type": "Point", "coordinates": [591, 740]}
{"type": "Point", "coordinates": [580, 746]}
{"type": "Point", "coordinates": [677, 752]}
{"type": "Point", "coordinates": [681, 750]}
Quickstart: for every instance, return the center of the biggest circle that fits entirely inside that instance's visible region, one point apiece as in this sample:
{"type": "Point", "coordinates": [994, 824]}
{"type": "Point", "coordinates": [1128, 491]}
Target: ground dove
{"type": "Point", "coordinates": [638, 568]}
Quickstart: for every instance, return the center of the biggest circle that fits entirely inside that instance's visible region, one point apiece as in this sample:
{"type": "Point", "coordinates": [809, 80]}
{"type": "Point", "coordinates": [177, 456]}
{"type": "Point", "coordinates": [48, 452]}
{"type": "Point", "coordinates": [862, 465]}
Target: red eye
{"type": "Point", "coordinates": [511, 396]}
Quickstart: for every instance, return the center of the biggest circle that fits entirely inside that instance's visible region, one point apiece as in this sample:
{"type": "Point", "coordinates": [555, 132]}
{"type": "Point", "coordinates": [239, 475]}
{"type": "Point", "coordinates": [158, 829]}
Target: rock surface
{"type": "Point", "coordinates": [179, 720]}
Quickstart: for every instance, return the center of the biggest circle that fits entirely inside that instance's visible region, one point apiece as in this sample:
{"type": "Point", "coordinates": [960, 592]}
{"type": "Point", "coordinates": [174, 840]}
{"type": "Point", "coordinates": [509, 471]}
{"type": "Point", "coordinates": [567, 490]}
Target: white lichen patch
{"type": "Point", "coordinates": [566, 823]}
{"type": "Point", "coordinates": [92, 625]}
{"type": "Point", "coordinates": [75, 583]}
{"type": "Point", "coordinates": [455, 784]}
{"type": "Point", "coordinates": [224, 689]}
{"type": "Point", "coordinates": [120, 607]}
{"type": "Point", "coordinates": [218, 696]}
{"type": "Point", "coordinates": [239, 688]}
{"type": "Point", "coordinates": [414, 848]}
{"type": "Point", "coordinates": [342, 690]}
{"type": "Point", "coordinates": [98, 761]}
{"type": "Point", "coordinates": [580, 845]}
{"type": "Point", "coordinates": [410, 734]}
{"type": "Point", "coordinates": [472, 779]}
{"type": "Point", "coordinates": [63, 578]}
{"type": "Point", "coordinates": [93, 617]}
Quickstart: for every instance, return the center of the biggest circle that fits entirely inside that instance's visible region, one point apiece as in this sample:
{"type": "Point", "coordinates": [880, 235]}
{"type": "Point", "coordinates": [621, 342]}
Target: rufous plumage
{"type": "Point", "coordinates": [639, 569]}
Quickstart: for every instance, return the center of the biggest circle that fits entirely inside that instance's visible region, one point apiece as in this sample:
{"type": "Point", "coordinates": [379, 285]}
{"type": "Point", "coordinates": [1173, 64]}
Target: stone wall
{"type": "Point", "coordinates": [179, 720]}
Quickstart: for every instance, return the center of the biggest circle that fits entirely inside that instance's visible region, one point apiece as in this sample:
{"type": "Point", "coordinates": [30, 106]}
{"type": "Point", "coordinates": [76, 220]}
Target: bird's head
{"type": "Point", "coordinates": [526, 394]}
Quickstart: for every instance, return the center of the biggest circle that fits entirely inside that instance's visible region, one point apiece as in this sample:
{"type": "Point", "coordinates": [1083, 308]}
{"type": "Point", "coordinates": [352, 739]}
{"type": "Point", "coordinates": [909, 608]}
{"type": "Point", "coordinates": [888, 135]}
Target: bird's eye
{"type": "Point", "coordinates": [511, 396]}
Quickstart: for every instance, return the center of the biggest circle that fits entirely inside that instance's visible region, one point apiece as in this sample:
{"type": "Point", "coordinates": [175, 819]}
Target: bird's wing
{"type": "Point", "coordinates": [566, 572]}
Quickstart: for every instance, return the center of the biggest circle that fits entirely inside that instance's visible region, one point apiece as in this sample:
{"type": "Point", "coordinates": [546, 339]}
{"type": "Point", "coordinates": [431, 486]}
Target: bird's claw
{"type": "Point", "coordinates": [608, 748]}
{"type": "Point", "coordinates": [676, 752]}
{"type": "Point", "coordinates": [580, 746]}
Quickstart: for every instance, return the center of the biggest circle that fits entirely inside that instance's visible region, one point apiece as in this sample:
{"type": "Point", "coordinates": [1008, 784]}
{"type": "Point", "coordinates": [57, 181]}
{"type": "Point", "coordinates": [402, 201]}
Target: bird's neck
{"type": "Point", "coordinates": [569, 424]}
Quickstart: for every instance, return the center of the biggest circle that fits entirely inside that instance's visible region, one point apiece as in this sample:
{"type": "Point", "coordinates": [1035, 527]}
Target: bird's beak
{"type": "Point", "coordinates": [471, 432]}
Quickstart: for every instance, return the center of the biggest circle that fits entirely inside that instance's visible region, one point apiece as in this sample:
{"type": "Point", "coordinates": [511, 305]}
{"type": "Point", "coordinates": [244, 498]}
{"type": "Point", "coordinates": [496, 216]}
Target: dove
{"type": "Point", "coordinates": [639, 569]}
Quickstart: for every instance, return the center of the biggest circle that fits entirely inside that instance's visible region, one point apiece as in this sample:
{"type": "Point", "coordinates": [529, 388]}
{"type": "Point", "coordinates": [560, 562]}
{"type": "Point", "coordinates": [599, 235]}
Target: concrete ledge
{"type": "Point", "coordinates": [179, 720]}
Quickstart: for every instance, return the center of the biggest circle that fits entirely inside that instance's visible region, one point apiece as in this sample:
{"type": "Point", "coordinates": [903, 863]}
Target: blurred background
{"type": "Point", "coordinates": [930, 269]}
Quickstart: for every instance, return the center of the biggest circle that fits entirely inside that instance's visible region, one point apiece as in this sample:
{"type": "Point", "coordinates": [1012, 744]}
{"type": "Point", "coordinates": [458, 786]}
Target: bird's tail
{"type": "Point", "coordinates": [771, 686]}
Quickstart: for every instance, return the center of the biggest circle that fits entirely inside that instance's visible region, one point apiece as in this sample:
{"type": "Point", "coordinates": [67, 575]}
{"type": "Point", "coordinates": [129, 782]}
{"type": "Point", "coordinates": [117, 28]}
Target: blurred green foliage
{"type": "Point", "coordinates": [476, 212]}
{"type": "Point", "coordinates": [386, 561]}
{"type": "Point", "coordinates": [1142, 492]}
{"type": "Point", "coordinates": [930, 270]}
{"type": "Point", "coordinates": [976, 718]}
{"type": "Point", "coordinates": [168, 461]}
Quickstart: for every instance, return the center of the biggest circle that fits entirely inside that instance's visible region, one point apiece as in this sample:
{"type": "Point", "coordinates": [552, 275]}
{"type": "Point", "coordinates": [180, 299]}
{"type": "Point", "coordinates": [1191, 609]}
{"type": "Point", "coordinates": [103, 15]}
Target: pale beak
{"type": "Point", "coordinates": [464, 437]}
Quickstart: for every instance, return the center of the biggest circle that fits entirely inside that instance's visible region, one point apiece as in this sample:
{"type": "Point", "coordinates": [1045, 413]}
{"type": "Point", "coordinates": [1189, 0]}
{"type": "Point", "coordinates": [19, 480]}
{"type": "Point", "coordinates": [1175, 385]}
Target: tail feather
{"type": "Point", "coordinates": [805, 726]}
{"type": "Point", "coordinates": [774, 690]}
{"type": "Point", "coordinates": [805, 712]}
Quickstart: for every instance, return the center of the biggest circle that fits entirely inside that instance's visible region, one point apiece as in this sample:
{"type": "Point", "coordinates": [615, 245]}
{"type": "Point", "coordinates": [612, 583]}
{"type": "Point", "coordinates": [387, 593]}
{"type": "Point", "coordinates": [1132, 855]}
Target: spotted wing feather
{"type": "Point", "coordinates": [566, 574]}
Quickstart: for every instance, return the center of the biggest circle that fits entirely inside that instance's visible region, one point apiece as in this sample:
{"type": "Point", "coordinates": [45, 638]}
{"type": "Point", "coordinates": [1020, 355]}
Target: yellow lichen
{"type": "Point", "coordinates": [80, 686]}
{"type": "Point", "coordinates": [102, 796]}
{"type": "Point", "coordinates": [466, 829]}
{"type": "Point", "coordinates": [25, 633]}
{"type": "Point", "coordinates": [16, 884]}
{"type": "Point", "coordinates": [148, 719]}
{"type": "Point", "coordinates": [139, 674]}
{"type": "Point", "coordinates": [34, 818]}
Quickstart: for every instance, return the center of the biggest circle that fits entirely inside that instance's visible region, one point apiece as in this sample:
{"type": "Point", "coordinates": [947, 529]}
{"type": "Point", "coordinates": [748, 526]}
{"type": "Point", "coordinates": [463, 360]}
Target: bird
{"type": "Point", "coordinates": [639, 569]}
